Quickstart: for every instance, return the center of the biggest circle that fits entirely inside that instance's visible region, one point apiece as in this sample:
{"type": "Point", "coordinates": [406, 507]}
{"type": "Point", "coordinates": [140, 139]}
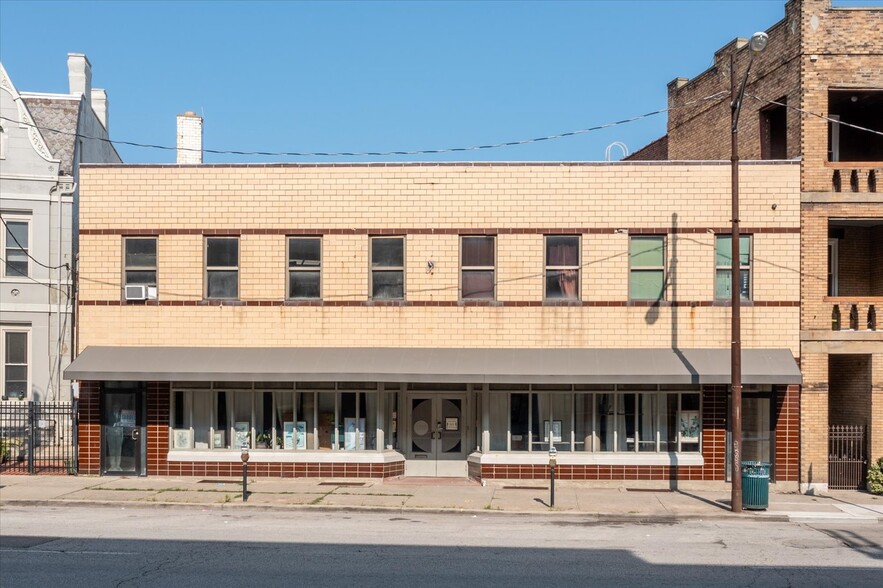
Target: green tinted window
{"type": "Point", "coordinates": [647, 262]}
{"type": "Point", "coordinates": [647, 251]}
{"type": "Point", "coordinates": [724, 252]}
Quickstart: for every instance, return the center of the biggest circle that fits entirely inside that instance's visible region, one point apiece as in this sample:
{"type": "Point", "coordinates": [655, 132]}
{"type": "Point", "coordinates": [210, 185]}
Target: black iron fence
{"type": "Point", "coordinates": [847, 457]}
{"type": "Point", "coordinates": [38, 437]}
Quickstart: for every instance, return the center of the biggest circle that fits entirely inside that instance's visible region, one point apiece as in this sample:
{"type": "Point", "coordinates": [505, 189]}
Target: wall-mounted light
{"type": "Point", "coordinates": [15, 291]}
{"type": "Point", "coordinates": [621, 231]}
{"type": "Point", "coordinates": [430, 265]}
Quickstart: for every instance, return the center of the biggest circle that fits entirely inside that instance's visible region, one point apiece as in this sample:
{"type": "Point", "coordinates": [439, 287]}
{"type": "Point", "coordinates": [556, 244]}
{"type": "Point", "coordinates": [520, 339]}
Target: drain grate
{"type": "Point", "coordinates": [647, 490]}
{"type": "Point", "coordinates": [220, 482]}
{"type": "Point", "coordinates": [355, 484]}
{"type": "Point", "coordinates": [525, 487]}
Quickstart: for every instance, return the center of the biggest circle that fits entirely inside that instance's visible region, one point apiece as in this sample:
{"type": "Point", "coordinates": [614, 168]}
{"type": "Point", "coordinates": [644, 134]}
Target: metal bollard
{"type": "Point", "coordinates": [553, 454]}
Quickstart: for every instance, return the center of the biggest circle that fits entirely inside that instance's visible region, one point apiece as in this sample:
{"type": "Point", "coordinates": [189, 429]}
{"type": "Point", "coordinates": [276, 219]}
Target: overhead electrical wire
{"type": "Point", "coordinates": [26, 252]}
{"type": "Point", "coordinates": [815, 114]}
{"type": "Point", "coordinates": [36, 281]}
{"type": "Point", "coordinates": [716, 96]}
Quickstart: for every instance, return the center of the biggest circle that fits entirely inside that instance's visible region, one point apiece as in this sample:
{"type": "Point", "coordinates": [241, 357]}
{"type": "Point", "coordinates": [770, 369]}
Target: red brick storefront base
{"type": "Point", "coordinates": [786, 415]}
{"type": "Point", "coordinates": [714, 421]}
{"type": "Point", "coordinates": [286, 470]}
{"type": "Point", "coordinates": [158, 407]}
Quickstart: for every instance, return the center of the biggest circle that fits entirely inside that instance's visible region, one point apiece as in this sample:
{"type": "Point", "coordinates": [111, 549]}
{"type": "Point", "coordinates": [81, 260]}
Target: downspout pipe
{"type": "Point", "coordinates": [66, 186]}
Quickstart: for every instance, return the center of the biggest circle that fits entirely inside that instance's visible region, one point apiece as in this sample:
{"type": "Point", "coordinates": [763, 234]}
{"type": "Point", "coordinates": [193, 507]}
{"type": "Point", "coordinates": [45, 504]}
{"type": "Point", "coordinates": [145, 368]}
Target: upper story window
{"type": "Point", "coordinates": [222, 268]}
{"type": "Point", "coordinates": [477, 261]}
{"type": "Point", "coordinates": [140, 261]}
{"type": "Point", "coordinates": [388, 268]}
{"type": "Point", "coordinates": [562, 267]}
{"type": "Point", "coordinates": [774, 130]}
{"type": "Point", "coordinates": [724, 267]}
{"type": "Point", "coordinates": [647, 268]}
{"type": "Point", "coordinates": [304, 267]}
{"type": "Point", "coordinates": [14, 343]}
{"type": "Point", "coordinates": [16, 243]}
{"type": "Point", "coordinates": [856, 107]}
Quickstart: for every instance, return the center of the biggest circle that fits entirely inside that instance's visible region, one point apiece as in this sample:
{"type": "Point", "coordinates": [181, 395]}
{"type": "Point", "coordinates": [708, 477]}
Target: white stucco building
{"type": "Point", "coordinates": [43, 139]}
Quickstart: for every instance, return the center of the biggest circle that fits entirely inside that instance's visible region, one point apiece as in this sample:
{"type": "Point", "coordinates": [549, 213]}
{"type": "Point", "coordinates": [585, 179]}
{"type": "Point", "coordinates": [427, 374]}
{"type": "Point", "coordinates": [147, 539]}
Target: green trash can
{"type": "Point", "coordinates": [755, 485]}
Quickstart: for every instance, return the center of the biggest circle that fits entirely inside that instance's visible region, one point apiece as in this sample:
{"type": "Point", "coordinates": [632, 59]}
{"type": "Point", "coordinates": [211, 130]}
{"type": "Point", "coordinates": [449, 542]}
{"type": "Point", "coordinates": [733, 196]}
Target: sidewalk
{"type": "Point", "coordinates": [429, 495]}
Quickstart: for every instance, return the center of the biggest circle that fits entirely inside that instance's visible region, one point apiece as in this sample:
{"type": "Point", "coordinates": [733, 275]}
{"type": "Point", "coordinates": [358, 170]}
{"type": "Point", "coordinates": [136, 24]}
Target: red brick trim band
{"type": "Point", "coordinates": [448, 231]}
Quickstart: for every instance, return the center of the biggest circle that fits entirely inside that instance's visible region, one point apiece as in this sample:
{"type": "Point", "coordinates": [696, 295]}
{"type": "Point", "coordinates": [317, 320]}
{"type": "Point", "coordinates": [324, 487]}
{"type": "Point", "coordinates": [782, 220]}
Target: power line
{"type": "Point", "coordinates": [815, 114]}
{"type": "Point", "coordinates": [26, 252]}
{"type": "Point", "coordinates": [34, 280]}
{"type": "Point", "coordinates": [716, 96]}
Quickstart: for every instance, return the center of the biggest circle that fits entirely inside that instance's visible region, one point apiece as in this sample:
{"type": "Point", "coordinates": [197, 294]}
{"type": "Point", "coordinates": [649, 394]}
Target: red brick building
{"type": "Point", "coordinates": [812, 95]}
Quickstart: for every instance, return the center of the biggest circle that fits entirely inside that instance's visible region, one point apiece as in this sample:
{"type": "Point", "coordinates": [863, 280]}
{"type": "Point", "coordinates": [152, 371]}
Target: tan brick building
{"type": "Point", "coordinates": [821, 65]}
{"type": "Point", "coordinates": [433, 319]}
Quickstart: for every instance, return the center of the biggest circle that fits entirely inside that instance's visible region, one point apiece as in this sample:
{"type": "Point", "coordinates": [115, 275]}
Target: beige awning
{"type": "Point", "coordinates": [461, 365]}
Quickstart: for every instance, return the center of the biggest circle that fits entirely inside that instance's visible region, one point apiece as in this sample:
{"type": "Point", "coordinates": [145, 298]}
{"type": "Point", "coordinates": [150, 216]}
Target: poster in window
{"type": "Point", "coordinates": [452, 424]}
{"type": "Point", "coordinates": [301, 435]}
{"type": "Point", "coordinates": [351, 434]}
{"type": "Point", "coordinates": [241, 434]}
{"type": "Point", "coordinates": [182, 438]}
{"type": "Point", "coordinates": [288, 435]}
{"type": "Point", "coordinates": [556, 431]}
{"type": "Point", "coordinates": [127, 418]}
{"type": "Point", "coordinates": [689, 426]}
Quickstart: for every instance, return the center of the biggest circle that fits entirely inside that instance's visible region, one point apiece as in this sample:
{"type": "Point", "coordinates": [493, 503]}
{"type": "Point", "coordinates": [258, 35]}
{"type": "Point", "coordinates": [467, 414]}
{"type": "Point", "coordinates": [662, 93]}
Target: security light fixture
{"type": "Point", "coordinates": [758, 42]}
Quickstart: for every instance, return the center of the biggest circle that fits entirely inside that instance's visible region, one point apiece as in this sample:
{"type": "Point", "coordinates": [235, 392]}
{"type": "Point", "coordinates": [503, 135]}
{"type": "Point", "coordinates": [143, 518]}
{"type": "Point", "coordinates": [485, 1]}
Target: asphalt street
{"type": "Point", "coordinates": [105, 546]}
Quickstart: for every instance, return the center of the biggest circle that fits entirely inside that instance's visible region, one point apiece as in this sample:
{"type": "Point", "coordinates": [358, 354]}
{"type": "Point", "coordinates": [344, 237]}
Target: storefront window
{"type": "Point", "coordinates": [605, 408]}
{"type": "Point", "coordinates": [552, 421]}
{"type": "Point", "coordinates": [357, 421]}
{"type": "Point", "coordinates": [668, 430]}
{"type": "Point", "coordinates": [690, 422]}
{"type": "Point", "coordinates": [626, 422]}
{"type": "Point", "coordinates": [282, 420]}
{"type": "Point", "coordinates": [519, 424]}
{"type": "Point", "coordinates": [648, 421]}
{"type": "Point", "coordinates": [284, 423]}
{"type": "Point", "coordinates": [220, 438]}
{"type": "Point", "coordinates": [202, 407]}
{"type": "Point", "coordinates": [243, 419]}
{"type": "Point", "coordinates": [499, 425]}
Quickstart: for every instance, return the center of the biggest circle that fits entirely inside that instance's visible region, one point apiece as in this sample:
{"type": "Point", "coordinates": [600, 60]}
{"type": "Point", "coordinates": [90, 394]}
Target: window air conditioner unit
{"type": "Point", "coordinates": [136, 292]}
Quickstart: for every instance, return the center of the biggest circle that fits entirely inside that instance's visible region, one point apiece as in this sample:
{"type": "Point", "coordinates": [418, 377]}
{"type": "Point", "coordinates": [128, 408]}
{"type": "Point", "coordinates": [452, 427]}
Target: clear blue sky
{"type": "Point", "coordinates": [378, 76]}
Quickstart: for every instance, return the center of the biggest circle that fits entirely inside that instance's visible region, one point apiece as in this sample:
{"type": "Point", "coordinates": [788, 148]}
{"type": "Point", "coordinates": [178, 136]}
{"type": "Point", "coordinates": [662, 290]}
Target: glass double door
{"type": "Point", "coordinates": [437, 431]}
{"type": "Point", "coordinates": [123, 433]}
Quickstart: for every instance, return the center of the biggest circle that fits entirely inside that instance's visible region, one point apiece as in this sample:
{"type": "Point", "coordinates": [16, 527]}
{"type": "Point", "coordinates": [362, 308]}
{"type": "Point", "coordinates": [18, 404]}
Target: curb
{"type": "Point", "coordinates": [593, 517]}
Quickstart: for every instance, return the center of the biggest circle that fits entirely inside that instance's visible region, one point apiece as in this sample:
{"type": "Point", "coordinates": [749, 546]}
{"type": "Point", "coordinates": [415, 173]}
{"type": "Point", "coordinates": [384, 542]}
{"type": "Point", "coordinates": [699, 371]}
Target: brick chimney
{"type": "Point", "coordinates": [189, 138]}
{"type": "Point", "coordinates": [99, 106]}
{"type": "Point", "coordinates": [79, 75]}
